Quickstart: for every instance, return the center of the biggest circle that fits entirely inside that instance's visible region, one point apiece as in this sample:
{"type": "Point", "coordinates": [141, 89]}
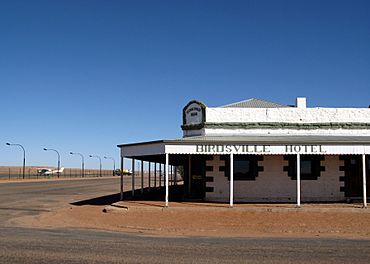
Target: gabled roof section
{"type": "Point", "coordinates": [254, 103]}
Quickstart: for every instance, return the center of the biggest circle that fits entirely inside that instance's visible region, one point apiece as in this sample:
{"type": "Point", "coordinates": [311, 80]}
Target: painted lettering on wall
{"type": "Point", "coordinates": [198, 109]}
{"type": "Point", "coordinates": [233, 148]}
{"type": "Point", "coordinates": [304, 149]}
{"type": "Point", "coordinates": [193, 114]}
{"type": "Point", "coordinates": [261, 149]}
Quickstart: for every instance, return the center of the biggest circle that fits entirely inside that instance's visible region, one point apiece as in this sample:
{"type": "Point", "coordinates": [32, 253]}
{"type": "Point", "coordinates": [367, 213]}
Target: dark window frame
{"type": "Point", "coordinates": [253, 171]}
{"type": "Point", "coordinates": [316, 167]}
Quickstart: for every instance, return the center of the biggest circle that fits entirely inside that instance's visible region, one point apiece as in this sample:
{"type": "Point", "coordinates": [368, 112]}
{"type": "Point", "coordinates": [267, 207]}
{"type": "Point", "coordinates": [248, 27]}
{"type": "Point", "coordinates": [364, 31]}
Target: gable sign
{"type": "Point", "coordinates": [194, 113]}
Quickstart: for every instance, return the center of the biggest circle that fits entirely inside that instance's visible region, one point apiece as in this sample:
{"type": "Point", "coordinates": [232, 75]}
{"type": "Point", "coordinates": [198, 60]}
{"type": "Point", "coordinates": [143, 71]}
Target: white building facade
{"type": "Point", "coordinates": [259, 151]}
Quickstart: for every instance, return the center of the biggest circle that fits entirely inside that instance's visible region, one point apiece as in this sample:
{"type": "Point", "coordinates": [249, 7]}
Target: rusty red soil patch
{"type": "Point", "coordinates": [182, 219]}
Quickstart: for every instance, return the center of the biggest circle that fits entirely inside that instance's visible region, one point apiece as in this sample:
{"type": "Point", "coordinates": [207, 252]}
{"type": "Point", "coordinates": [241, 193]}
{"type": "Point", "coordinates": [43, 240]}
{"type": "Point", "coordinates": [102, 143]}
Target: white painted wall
{"type": "Point", "coordinates": [274, 184]}
{"type": "Point", "coordinates": [328, 185]}
{"type": "Point", "coordinates": [288, 115]}
{"type": "Point", "coordinates": [283, 115]}
{"type": "Point", "coordinates": [220, 183]}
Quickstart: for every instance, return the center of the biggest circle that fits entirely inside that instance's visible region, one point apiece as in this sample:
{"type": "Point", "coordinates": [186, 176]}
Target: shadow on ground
{"type": "Point", "coordinates": [155, 194]}
{"type": "Point", "coordinates": [176, 194]}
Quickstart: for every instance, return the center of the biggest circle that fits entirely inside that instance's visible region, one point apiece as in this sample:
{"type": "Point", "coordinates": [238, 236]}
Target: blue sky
{"type": "Point", "coordinates": [85, 76]}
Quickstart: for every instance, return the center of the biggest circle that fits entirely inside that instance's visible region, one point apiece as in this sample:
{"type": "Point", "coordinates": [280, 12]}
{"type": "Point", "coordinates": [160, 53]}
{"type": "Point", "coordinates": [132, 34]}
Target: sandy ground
{"type": "Point", "coordinates": [208, 219]}
{"type": "Point", "coordinates": [202, 219]}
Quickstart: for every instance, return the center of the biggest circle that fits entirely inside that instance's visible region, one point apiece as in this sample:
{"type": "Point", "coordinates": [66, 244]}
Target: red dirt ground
{"type": "Point", "coordinates": [202, 219]}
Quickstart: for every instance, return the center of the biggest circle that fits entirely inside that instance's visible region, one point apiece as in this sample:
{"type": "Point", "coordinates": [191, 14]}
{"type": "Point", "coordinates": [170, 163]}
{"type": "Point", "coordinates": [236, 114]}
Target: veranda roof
{"type": "Point", "coordinates": [258, 145]}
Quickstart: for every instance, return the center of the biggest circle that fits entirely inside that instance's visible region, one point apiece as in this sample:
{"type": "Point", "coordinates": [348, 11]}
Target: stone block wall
{"type": "Point", "coordinates": [273, 183]}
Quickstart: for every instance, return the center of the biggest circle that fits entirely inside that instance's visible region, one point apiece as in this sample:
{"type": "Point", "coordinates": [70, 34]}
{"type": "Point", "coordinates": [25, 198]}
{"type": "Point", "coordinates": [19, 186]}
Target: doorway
{"type": "Point", "coordinates": [197, 176]}
{"type": "Point", "coordinates": [353, 175]}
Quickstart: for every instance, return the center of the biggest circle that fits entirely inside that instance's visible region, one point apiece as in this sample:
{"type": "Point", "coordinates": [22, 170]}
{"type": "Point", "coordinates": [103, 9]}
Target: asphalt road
{"type": "Point", "coordinates": [23, 245]}
{"type": "Point", "coordinates": [29, 198]}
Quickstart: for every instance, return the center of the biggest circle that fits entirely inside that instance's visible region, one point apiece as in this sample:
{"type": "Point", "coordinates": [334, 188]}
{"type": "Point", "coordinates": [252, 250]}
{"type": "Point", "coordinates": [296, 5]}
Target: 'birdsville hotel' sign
{"type": "Point", "coordinates": [277, 149]}
{"type": "Point", "coordinates": [260, 149]}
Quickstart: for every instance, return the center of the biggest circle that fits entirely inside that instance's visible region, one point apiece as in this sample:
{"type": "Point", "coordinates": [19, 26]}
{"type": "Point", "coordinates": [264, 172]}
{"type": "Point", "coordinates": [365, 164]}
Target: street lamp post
{"type": "Point", "coordinates": [82, 162]}
{"type": "Point", "coordinates": [46, 149]}
{"type": "Point", "coordinates": [96, 156]}
{"type": "Point", "coordinates": [24, 155]}
{"type": "Point", "coordinates": [114, 163]}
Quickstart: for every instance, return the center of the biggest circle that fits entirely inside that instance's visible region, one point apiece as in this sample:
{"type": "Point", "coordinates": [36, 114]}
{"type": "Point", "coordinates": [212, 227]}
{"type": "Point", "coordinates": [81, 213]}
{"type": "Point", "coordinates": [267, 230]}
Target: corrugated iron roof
{"type": "Point", "coordinates": [254, 103]}
{"type": "Point", "coordinates": [261, 140]}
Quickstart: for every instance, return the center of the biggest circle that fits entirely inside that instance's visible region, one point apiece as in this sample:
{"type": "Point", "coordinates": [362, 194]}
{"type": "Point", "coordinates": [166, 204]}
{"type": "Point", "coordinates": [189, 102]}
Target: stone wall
{"type": "Point", "coordinates": [273, 183]}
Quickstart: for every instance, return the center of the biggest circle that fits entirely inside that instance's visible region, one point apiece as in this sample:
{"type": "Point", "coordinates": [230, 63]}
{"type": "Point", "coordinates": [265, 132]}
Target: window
{"type": "Point", "coordinates": [310, 166]}
{"type": "Point", "coordinates": [245, 167]}
{"type": "Point", "coordinates": [241, 168]}
{"type": "Point", "coordinates": [306, 167]}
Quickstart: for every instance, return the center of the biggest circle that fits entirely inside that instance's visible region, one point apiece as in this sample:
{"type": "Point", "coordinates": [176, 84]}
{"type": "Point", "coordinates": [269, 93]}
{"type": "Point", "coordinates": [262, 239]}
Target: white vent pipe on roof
{"type": "Point", "coordinates": [301, 102]}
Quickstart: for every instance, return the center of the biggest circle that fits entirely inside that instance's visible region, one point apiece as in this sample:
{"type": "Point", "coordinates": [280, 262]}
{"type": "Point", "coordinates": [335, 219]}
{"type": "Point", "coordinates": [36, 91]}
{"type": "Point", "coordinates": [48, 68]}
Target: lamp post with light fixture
{"type": "Point", "coordinates": [114, 163]}
{"type": "Point", "coordinates": [24, 155]}
{"type": "Point", "coordinates": [46, 149]}
{"type": "Point", "coordinates": [96, 156]}
{"type": "Point", "coordinates": [82, 162]}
